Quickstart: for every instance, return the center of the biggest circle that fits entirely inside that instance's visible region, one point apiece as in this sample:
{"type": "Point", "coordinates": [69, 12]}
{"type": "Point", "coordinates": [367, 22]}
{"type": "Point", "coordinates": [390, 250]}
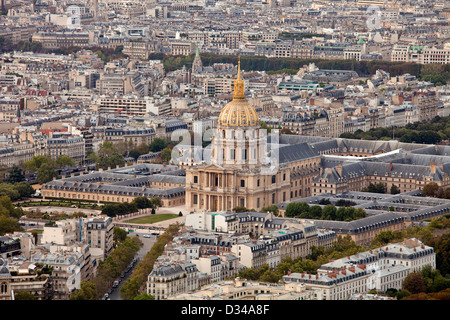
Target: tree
{"type": "Point", "coordinates": [9, 191]}
{"type": "Point", "coordinates": [442, 248]}
{"type": "Point", "coordinates": [143, 148]}
{"type": "Point", "coordinates": [272, 208]}
{"type": "Point", "coordinates": [24, 189]}
{"type": "Point", "coordinates": [157, 145]}
{"type": "Point", "coordinates": [329, 212]}
{"type": "Point", "coordinates": [430, 189]}
{"type": "Point", "coordinates": [24, 295]}
{"type": "Point", "coordinates": [87, 291]}
{"type": "Point", "coordinates": [156, 202]}
{"type": "Point", "coordinates": [46, 173]}
{"type": "Point", "coordinates": [142, 202]}
{"type": "Point", "coordinates": [265, 126]}
{"type": "Point", "coordinates": [294, 209]}
{"type": "Point", "coordinates": [166, 154]}
{"type": "Point", "coordinates": [240, 209]}
{"type": "Point", "coordinates": [385, 237]}
{"type": "Point", "coordinates": [112, 160]}
{"type": "Point", "coordinates": [394, 189]}
{"type": "Point", "coordinates": [15, 175]}
{"type": "Point", "coordinates": [119, 234]}
{"type": "Point", "coordinates": [375, 188]}
{"type": "Point", "coordinates": [144, 296]}
{"type": "Point", "coordinates": [36, 162]}
{"type": "Point", "coordinates": [414, 283]}
{"type": "Point", "coordinates": [8, 224]}
{"type": "Point", "coordinates": [64, 161]}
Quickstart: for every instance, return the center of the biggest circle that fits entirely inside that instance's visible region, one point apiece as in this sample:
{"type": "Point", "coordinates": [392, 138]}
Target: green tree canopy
{"type": "Point", "coordinates": [15, 175]}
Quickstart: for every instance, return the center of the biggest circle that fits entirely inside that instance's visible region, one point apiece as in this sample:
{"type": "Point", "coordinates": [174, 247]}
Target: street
{"type": "Point", "coordinates": [147, 245]}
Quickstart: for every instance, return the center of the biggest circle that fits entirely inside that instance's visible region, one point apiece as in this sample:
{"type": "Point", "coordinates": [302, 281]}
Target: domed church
{"type": "Point", "coordinates": [243, 171]}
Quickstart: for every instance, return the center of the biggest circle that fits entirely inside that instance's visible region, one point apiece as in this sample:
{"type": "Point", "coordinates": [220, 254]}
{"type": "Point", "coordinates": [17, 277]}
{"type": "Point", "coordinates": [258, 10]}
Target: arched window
{"type": "Point", "coordinates": [4, 287]}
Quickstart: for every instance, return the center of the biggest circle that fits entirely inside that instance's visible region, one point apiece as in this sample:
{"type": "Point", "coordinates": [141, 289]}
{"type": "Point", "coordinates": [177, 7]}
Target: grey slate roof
{"type": "Point", "coordinates": [296, 152]}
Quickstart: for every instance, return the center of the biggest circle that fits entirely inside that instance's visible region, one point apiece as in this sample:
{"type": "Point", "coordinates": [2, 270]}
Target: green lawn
{"type": "Point", "coordinates": [153, 218]}
{"type": "Point", "coordinates": [36, 230]}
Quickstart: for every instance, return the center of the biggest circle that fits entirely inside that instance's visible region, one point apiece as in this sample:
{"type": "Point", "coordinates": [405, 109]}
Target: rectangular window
{"type": "Point", "coordinates": [195, 199]}
{"type": "Point", "coordinates": [242, 183]}
{"type": "Point", "coordinates": [195, 179]}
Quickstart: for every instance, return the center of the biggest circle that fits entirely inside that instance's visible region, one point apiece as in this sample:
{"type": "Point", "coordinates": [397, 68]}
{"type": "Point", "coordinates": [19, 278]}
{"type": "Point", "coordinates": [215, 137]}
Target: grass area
{"type": "Point", "coordinates": [36, 230]}
{"type": "Point", "coordinates": [58, 204]}
{"type": "Point", "coordinates": [153, 218]}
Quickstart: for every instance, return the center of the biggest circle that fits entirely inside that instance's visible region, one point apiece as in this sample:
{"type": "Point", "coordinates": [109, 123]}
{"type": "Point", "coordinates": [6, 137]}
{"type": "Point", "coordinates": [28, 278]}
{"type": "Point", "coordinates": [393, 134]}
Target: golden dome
{"type": "Point", "coordinates": [238, 112]}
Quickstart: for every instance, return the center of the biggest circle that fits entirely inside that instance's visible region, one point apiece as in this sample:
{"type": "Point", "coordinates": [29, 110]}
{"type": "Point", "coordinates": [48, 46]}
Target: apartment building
{"type": "Point", "coordinates": [420, 54]}
{"type": "Point", "coordinates": [428, 105]}
{"type": "Point", "coordinates": [168, 279]}
{"type": "Point", "coordinates": [64, 145]}
{"type": "Point", "coordinates": [124, 105]}
{"type": "Point", "coordinates": [139, 50]}
{"type": "Point", "coordinates": [212, 266]}
{"type": "Point", "coordinates": [63, 39]}
{"type": "Point", "coordinates": [98, 232]}
{"type": "Point", "coordinates": [251, 254]}
{"type": "Point", "coordinates": [62, 232]}
{"type": "Point", "coordinates": [388, 265]}
{"type": "Point", "coordinates": [136, 136]}
{"type": "Point", "coordinates": [335, 285]}
{"type": "Point", "coordinates": [182, 48]}
{"type": "Point", "coordinates": [66, 271]}
{"type": "Point", "coordinates": [218, 85]}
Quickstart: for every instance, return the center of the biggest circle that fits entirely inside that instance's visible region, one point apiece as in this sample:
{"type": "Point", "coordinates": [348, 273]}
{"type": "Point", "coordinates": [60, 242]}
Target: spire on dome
{"type": "Point", "coordinates": [239, 92]}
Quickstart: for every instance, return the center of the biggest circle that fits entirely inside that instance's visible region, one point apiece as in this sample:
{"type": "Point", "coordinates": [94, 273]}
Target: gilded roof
{"type": "Point", "coordinates": [238, 112]}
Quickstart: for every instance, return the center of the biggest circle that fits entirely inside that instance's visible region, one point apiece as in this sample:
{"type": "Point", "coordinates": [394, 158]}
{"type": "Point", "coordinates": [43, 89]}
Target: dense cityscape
{"type": "Point", "coordinates": [225, 150]}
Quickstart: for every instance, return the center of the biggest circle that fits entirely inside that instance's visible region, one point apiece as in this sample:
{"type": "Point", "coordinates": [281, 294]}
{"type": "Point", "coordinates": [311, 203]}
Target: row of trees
{"type": "Point", "coordinates": [436, 73]}
{"type": "Point", "coordinates": [134, 287]}
{"type": "Point", "coordinates": [16, 191]}
{"type": "Point", "coordinates": [109, 270]}
{"type": "Point", "coordinates": [122, 208]}
{"type": "Point", "coordinates": [45, 167]}
{"type": "Point", "coordinates": [432, 189]}
{"type": "Point", "coordinates": [329, 212]}
{"type": "Point", "coordinates": [9, 216]}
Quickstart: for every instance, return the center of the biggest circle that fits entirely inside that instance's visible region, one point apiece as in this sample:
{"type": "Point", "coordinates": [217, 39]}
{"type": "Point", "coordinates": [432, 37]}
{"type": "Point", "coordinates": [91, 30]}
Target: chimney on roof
{"type": "Point", "coordinates": [441, 166]}
{"type": "Point", "coordinates": [390, 165]}
{"type": "Point", "coordinates": [339, 169]}
{"type": "Point", "coordinates": [432, 167]}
